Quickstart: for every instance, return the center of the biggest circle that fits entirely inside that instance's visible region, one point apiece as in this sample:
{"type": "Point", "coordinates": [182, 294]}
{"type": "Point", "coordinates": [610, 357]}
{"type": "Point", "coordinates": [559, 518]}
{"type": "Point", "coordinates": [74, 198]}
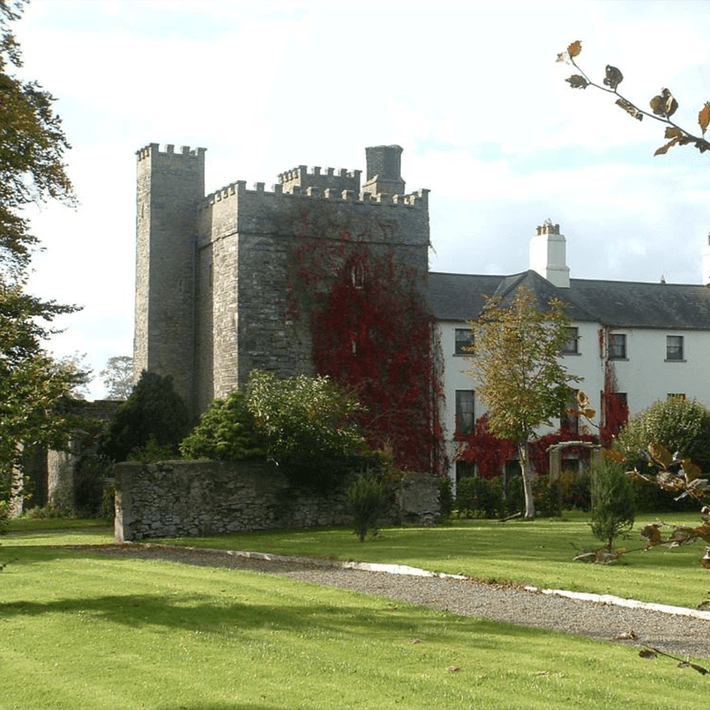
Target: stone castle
{"type": "Point", "coordinates": [212, 271]}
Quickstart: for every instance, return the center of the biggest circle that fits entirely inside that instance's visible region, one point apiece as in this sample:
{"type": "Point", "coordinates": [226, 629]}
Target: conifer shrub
{"type": "Point", "coordinates": [153, 413]}
{"type": "Point", "coordinates": [226, 431]}
{"type": "Point", "coordinates": [367, 498]}
{"type": "Point", "coordinates": [613, 509]}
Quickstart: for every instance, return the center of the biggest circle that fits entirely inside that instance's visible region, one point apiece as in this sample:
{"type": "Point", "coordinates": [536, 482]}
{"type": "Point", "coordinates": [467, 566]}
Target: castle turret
{"type": "Point", "coordinates": [384, 165]}
{"type": "Point", "coordinates": [169, 187]}
{"type": "Point", "coordinates": [548, 254]}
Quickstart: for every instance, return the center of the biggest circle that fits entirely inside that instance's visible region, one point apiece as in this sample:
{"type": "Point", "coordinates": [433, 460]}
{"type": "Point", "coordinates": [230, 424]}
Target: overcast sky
{"type": "Point", "coordinates": [470, 90]}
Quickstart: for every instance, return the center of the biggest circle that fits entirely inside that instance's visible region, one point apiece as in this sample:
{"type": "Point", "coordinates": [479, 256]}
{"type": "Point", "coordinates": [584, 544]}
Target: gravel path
{"type": "Point", "coordinates": [671, 633]}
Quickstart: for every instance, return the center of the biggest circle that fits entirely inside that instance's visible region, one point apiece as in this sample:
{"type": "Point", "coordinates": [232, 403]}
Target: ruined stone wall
{"type": "Point", "coordinates": [198, 498]}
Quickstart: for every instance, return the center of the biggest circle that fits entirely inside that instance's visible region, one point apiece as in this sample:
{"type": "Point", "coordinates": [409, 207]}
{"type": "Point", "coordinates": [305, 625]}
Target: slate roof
{"type": "Point", "coordinates": [619, 304]}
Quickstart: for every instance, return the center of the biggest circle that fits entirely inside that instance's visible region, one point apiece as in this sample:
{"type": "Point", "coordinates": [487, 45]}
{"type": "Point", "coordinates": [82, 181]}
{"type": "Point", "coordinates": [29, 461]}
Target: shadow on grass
{"type": "Point", "coordinates": [240, 611]}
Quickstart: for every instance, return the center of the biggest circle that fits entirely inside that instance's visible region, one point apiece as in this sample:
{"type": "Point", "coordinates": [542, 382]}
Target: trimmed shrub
{"type": "Point", "coordinates": [480, 497]}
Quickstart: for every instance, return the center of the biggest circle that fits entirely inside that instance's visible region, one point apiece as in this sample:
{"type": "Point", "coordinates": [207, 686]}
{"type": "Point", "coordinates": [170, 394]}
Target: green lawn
{"type": "Point", "coordinates": [82, 631]}
{"type": "Point", "coordinates": [538, 552]}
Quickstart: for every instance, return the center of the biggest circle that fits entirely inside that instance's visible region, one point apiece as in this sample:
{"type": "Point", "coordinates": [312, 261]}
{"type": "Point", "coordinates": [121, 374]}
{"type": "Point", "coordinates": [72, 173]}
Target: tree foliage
{"type": "Point", "coordinates": [33, 387]}
{"type": "Point", "coordinates": [118, 377]}
{"type": "Point", "coordinates": [517, 369]}
{"type": "Point", "coordinates": [613, 511]}
{"type": "Point", "coordinates": [308, 423]}
{"type": "Point", "coordinates": [153, 416]}
{"type": "Point", "coordinates": [680, 425]}
{"type": "Point", "coordinates": [663, 105]}
{"type": "Point", "coordinates": [227, 430]}
{"type": "Point", "coordinates": [32, 148]}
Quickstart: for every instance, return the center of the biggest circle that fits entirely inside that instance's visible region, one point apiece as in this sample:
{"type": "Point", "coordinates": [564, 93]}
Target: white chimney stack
{"type": "Point", "coordinates": [548, 255]}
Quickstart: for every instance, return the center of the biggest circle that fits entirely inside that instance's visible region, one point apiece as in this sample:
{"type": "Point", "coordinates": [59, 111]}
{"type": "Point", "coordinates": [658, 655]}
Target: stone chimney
{"type": "Point", "coordinates": [548, 254]}
{"type": "Point", "coordinates": [705, 253]}
{"type": "Point", "coordinates": [384, 165]}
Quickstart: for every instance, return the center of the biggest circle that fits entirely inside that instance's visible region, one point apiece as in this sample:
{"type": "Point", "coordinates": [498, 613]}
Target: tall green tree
{"type": "Point", "coordinates": [154, 415]}
{"type": "Point", "coordinates": [517, 370]}
{"type": "Point", "coordinates": [32, 148]}
{"type": "Point", "coordinates": [32, 171]}
{"type": "Point", "coordinates": [118, 377]}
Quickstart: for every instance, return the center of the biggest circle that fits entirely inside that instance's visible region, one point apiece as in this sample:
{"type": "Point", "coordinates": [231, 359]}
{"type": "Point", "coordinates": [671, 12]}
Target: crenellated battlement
{"type": "Point", "coordinates": [418, 199]}
{"type": "Point", "coordinates": [335, 179]}
{"type": "Point", "coordinates": [153, 149]}
{"type": "Point", "coordinates": [215, 274]}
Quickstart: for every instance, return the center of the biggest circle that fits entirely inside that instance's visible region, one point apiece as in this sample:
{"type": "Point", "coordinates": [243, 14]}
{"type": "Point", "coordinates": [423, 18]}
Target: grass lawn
{"type": "Point", "coordinates": [538, 552]}
{"type": "Point", "coordinates": [82, 631]}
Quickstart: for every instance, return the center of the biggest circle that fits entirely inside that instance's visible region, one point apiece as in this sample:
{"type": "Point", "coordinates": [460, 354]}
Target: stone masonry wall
{"type": "Point", "coordinates": [251, 238]}
{"type": "Point", "coordinates": [197, 498]}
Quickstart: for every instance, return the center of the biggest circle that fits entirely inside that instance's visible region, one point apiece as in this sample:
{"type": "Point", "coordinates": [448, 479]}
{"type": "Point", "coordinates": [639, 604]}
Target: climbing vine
{"type": "Point", "coordinates": [615, 410]}
{"type": "Point", "coordinates": [484, 449]}
{"type": "Point", "coordinates": [372, 331]}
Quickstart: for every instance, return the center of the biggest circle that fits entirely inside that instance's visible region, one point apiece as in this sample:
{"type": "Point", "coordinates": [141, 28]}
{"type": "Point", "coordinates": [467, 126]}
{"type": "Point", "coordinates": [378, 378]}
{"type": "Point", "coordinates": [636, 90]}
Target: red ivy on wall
{"type": "Point", "coordinates": [372, 331]}
{"type": "Point", "coordinates": [540, 456]}
{"type": "Point", "coordinates": [487, 451]}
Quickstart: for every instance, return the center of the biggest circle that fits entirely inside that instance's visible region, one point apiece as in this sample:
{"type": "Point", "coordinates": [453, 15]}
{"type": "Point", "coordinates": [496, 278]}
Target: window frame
{"type": "Point", "coordinates": [464, 414]}
{"type": "Point", "coordinates": [616, 339]}
{"type": "Point", "coordinates": [573, 340]}
{"type": "Point", "coordinates": [461, 344]}
{"type": "Point", "coordinates": [678, 348]}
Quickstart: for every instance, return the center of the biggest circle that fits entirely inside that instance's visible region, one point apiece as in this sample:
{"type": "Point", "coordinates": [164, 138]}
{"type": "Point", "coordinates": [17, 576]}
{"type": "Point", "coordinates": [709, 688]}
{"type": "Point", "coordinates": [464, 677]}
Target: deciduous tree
{"type": "Point", "coordinates": [517, 370]}
{"type": "Point", "coordinates": [118, 377]}
{"type": "Point", "coordinates": [32, 146]}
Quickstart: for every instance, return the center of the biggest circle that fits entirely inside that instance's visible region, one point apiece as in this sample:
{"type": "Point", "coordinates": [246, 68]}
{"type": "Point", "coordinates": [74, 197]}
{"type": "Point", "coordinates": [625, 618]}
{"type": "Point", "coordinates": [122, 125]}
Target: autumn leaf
{"type": "Point", "coordinates": [704, 117]}
{"type": "Point", "coordinates": [665, 148]}
{"type": "Point", "coordinates": [575, 49]}
{"type": "Point", "coordinates": [630, 109]}
{"type": "Point", "coordinates": [664, 104]}
{"type": "Point", "coordinates": [694, 666]}
{"type": "Point", "coordinates": [582, 399]}
{"type": "Point", "coordinates": [691, 470]}
{"type": "Point", "coordinates": [703, 531]}
{"type": "Point", "coordinates": [614, 455]}
{"type": "Point", "coordinates": [652, 533]}
{"type": "Point", "coordinates": [577, 81]}
{"type": "Point", "coordinates": [660, 454]}
{"type": "Point", "coordinates": [613, 77]}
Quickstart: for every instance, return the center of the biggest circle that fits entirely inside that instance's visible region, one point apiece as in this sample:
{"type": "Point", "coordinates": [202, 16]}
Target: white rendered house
{"type": "Point", "coordinates": [650, 340]}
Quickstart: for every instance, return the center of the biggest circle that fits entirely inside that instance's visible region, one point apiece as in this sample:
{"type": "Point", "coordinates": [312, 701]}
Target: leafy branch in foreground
{"type": "Point", "coordinates": [650, 652]}
{"type": "Point", "coordinates": [663, 106]}
{"type": "Point", "coordinates": [671, 473]}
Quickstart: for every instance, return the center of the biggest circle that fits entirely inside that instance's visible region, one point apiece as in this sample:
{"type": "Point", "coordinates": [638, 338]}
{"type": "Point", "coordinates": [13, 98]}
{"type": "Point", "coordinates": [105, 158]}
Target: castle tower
{"type": "Point", "coordinates": [384, 167]}
{"type": "Point", "coordinates": [169, 187]}
{"type": "Point", "coordinates": [548, 254]}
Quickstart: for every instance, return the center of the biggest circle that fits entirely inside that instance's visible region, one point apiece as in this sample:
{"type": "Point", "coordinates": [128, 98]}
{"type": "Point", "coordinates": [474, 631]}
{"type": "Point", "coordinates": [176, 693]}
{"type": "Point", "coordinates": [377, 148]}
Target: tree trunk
{"type": "Point", "coordinates": [527, 480]}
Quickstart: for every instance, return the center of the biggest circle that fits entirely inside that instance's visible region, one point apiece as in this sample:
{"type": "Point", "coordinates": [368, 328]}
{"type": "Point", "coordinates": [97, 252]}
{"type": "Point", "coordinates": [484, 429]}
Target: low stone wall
{"type": "Point", "coordinates": [197, 498]}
